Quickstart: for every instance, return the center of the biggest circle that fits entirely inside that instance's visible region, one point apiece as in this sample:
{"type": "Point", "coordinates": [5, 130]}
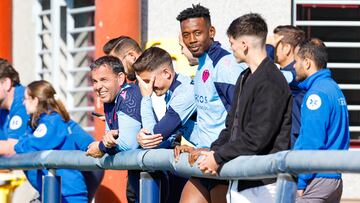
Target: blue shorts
{"type": "Point", "coordinates": [209, 184]}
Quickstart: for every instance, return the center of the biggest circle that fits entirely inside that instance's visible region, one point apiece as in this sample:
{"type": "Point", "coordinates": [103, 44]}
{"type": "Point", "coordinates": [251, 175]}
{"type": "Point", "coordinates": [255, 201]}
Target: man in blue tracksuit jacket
{"type": "Point", "coordinates": [13, 121]}
{"type": "Point", "coordinates": [13, 116]}
{"type": "Point", "coordinates": [156, 74]}
{"type": "Point", "coordinates": [179, 97]}
{"type": "Point", "coordinates": [214, 81]}
{"type": "Point", "coordinates": [324, 120]}
{"type": "Point", "coordinates": [214, 86]}
{"type": "Point", "coordinates": [281, 48]}
{"type": "Point", "coordinates": [121, 106]}
{"type": "Point", "coordinates": [215, 77]}
{"type": "Point", "coordinates": [123, 115]}
{"type": "Point", "coordinates": [122, 112]}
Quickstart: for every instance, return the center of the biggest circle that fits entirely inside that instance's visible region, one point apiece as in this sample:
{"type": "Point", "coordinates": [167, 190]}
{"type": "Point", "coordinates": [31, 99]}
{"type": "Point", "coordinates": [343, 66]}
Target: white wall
{"type": "Point", "coordinates": [24, 39]}
{"type": "Point", "coordinates": [24, 62]}
{"type": "Point", "coordinates": [162, 15]}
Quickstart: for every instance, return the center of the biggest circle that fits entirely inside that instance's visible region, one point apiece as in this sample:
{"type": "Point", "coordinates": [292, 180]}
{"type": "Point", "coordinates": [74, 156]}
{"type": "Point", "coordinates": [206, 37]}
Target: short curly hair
{"type": "Point", "coordinates": [196, 11]}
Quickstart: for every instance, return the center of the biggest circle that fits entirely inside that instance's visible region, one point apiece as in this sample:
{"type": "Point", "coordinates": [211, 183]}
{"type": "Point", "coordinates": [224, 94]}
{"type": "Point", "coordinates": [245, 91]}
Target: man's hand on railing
{"type": "Point", "coordinates": [147, 140]}
{"type": "Point", "coordinates": [94, 150]}
{"type": "Point", "coordinates": [109, 139]}
{"type": "Point", "coordinates": [208, 164]}
{"type": "Point", "coordinates": [181, 149]}
{"type": "Point", "coordinates": [193, 153]}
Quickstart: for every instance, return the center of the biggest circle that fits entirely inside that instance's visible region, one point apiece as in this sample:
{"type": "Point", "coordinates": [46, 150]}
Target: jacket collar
{"type": "Point", "coordinates": [175, 83]}
{"type": "Point", "coordinates": [212, 50]}
{"type": "Point", "coordinates": [289, 67]}
{"type": "Point", "coordinates": [308, 82]}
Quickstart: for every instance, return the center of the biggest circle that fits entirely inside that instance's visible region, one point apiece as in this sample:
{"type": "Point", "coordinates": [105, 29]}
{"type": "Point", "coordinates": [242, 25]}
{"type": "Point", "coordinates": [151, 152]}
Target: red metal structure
{"type": "Point", "coordinates": [6, 29]}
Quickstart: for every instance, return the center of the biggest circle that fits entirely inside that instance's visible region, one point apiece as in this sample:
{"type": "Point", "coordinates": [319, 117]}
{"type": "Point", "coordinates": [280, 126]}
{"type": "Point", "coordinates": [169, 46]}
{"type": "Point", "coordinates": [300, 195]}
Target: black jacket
{"type": "Point", "coordinates": [259, 122]}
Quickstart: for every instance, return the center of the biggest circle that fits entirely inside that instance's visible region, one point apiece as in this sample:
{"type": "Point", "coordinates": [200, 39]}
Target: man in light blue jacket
{"type": "Point", "coordinates": [156, 74]}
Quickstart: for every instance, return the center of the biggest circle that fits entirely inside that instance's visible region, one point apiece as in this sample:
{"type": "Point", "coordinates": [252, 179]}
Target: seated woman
{"type": "Point", "coordinates": [48, 129]}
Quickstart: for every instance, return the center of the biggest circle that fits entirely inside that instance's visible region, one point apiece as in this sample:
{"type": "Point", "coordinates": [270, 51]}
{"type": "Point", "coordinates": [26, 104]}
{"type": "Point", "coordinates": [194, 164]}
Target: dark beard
{"type": "Point", "coordinates": [1, 102]}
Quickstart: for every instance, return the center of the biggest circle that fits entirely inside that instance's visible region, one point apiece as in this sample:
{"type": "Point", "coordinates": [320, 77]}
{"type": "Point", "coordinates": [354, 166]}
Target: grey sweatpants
{"type": "Point", "coordinates": [322, 190]}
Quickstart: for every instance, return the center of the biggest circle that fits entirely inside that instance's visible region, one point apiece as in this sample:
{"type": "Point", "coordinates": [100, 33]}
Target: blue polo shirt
{"type": "Point", "coordinates": [13, 122]}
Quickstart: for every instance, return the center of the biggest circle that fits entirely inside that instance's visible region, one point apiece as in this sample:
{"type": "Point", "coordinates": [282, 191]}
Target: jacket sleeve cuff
{"type": "Point", "coordinates": [110, 151]}
{"type": "Point", "coordinates": [102, 147]}
{"type": "Point", "coordinates": [219, 160]}
{"type": "Point", "coordinates": [301, 184]}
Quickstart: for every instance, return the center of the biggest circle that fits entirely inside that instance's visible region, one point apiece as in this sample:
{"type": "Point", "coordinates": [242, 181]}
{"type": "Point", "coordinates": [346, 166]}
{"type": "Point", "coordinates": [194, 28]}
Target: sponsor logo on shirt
{"type": "Point", "coordinates": [40, 131]}
{"type": "Point", "coordinates": [123, 94]}
{"type": "Point", "coordinates": [205, 75]}
{"type": "Point", "coordinates": [342, 101]}
{"type": "Point", "coordinates": [201, 99]}
{"type": "Point", "coordinates": [313, 102]}
{"type": "Point", "coordinates": [15, 122]}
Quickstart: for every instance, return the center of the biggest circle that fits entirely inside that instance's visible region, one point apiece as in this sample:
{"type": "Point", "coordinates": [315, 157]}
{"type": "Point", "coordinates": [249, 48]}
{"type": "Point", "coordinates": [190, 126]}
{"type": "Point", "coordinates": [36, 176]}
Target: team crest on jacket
{"type": "Point", "coordinates": [15, 122]}
{"type": "Point", "coordinates": [40, 131]}
{"type": "Point", "coordinates": [205, 75]}
{"type": "Point", "coordinates": [313, 102]}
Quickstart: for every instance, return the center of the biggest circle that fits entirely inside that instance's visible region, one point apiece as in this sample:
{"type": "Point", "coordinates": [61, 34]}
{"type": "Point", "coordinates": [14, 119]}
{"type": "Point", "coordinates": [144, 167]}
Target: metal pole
{"type": "Point", "coordinates": [286, 186]}
{"type": "Point", "coordinates": [51, 190]}
{"type": "Point", "coordinates": [55, 43]}
{"type": "Point", "coordinates": [150, 188]}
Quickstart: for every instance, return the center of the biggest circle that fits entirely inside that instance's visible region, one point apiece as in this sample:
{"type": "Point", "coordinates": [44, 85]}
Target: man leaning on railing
{"type": "Point", "coordinates": [259, 122]}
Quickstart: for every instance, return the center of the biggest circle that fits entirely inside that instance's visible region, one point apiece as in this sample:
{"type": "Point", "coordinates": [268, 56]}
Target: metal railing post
{"type": "Point", "coordinates": [51, 190]}
{"type": "Point", "coordinates": [286, 186]}
{"type": "Point", "coordinates": [150, 187]}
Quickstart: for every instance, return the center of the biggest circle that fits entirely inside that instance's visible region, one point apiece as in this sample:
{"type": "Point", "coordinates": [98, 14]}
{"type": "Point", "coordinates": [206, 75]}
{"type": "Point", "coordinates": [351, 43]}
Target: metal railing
{"type": "Point", "coordinates": [283, 165]}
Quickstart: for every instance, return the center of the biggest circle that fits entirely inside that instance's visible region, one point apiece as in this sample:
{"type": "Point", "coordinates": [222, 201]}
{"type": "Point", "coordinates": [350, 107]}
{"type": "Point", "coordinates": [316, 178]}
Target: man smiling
{"type": "Point", "coordinates": [214, 85]}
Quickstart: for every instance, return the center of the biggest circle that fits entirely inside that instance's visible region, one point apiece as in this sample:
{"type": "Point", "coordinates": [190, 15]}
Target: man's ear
{"type": "Point", "coordinates": [245, 46]}
{"type": "Point", "coordinates": [166, 73]}
{"type": "Point", "coordinates": [132, 56]}
{"type": "Point", "coordinates": [121, 77]}
{"type": "Point", "coordinates": [7, 84]}
{"type": "Point", "coordinates": [307, 63]}
{"type": "Point", "coordinates": [287, 49]}
{"type": "Point", "coordinates": [212, 32]}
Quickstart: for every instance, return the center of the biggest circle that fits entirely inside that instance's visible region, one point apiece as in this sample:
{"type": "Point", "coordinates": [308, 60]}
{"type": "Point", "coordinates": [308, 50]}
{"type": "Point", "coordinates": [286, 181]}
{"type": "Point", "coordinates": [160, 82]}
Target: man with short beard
{"type": "Point", "coordinates": [324, 121]}
{"type": "Point", "coordinates": [122, 103]}
{"type": "Point", "coordinates": [13, 116]}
